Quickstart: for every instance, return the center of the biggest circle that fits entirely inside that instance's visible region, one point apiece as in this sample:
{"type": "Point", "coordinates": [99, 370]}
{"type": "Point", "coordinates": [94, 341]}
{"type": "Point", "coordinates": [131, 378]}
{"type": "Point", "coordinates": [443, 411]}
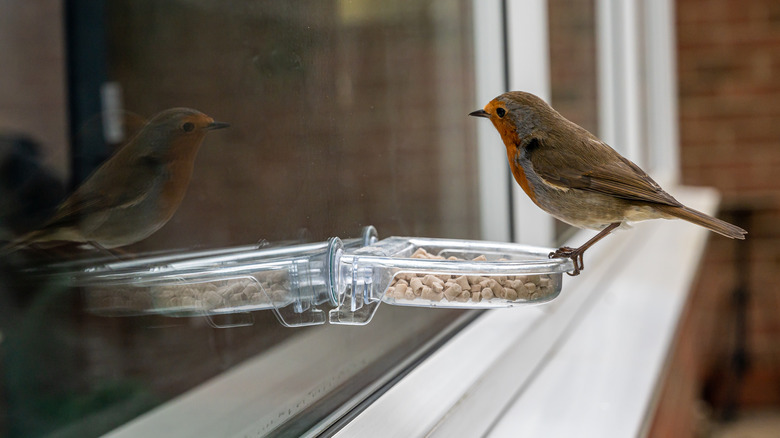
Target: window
{"type": "Point", "coordinates": [343, 114]}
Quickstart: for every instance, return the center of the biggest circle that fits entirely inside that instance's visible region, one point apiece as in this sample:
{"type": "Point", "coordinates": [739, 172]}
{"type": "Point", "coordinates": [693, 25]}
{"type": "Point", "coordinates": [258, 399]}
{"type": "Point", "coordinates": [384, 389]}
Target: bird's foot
{"type": "Point", "coordinates": [575, 254]}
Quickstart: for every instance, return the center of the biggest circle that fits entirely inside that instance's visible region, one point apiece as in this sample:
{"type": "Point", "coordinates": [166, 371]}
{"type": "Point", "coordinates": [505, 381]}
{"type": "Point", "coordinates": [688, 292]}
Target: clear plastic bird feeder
{"type": "Point", "coordinates": [423, 272]}
{"type": "Point", "coordinates": [338, 281]}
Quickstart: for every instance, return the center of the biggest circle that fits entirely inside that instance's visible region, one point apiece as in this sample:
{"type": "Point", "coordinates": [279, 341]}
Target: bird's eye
{"type": "Point", "coordinates": [187, 127]}
{"type": "Point", "coordinates": [500, 112]}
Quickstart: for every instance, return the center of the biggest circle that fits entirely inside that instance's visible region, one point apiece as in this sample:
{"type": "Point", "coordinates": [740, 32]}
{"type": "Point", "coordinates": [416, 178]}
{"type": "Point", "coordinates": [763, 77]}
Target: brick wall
{"type": "Point", "coordinates": [729, 89]}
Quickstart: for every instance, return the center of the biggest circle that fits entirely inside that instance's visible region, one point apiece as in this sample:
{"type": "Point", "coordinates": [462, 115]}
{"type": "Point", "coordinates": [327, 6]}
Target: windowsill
{"type": "Point", "coordinates": [587, 364]}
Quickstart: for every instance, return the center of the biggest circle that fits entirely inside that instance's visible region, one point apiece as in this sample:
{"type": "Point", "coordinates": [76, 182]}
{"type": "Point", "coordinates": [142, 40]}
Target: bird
{"type": "Point", "coordinates": [135, 192]}
{"type": "Point", "coordinates": [577, 178]}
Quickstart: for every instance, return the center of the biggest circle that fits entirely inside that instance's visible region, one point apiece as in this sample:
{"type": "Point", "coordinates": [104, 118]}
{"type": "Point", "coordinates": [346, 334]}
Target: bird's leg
{"type": "Point", "coordinates": [575, 254]}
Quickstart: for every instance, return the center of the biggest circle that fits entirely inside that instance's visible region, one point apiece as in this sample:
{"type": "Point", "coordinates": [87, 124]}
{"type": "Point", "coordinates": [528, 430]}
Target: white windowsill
{"type": "Point", "coordinates": [588, 364]}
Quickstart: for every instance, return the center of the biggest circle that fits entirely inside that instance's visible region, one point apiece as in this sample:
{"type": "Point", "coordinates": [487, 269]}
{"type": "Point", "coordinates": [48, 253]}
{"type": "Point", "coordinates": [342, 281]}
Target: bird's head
{"type": "Point", "coordinates": [177, 130]}
{"type": "Point", "coordinates": [517, 115]}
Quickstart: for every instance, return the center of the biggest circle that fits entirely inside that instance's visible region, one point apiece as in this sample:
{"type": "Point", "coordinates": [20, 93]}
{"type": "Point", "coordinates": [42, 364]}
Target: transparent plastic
{"type": "Point", "coordinates": [291, 280]}
{"type": "Point", "coordinates": [412, 271]}
{"type": "Point", "coordinates": [342, 282]}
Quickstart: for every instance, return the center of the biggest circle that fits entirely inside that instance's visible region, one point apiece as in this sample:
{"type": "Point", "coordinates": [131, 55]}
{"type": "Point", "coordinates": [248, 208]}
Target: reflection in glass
{"type": "Point", "coordinates": [343, 114]}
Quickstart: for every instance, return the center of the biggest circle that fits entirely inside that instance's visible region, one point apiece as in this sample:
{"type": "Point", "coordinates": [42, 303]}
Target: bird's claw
{"type": "Point", "coordinates": [570, 253]}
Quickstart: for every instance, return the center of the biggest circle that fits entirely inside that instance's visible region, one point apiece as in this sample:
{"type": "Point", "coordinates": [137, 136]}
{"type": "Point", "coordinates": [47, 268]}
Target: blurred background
{"type": "Point", "coordinates": [728, 352]}
{"type": "Point", "coordinates": [346, 114]}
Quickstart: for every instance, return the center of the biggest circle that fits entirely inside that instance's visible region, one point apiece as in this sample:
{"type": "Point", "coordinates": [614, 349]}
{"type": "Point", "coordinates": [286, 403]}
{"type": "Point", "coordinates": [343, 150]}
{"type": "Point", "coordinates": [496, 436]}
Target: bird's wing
{"type": "Point", "coordinates": [598, 168]}
{"type": "Point", "coordinates": [110, 188]}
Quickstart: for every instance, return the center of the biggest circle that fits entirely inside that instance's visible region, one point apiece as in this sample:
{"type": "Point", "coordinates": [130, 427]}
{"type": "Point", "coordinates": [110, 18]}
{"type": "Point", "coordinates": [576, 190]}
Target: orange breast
{"type": "Point", "coordinates": [519, 174]}
{"type": "Point", "coordinates": [509, 137]}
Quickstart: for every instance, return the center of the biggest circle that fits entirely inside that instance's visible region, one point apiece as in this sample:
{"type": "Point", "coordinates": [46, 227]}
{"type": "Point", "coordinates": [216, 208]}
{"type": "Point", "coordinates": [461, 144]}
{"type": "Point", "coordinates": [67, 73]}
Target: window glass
{"type": "Point", "coordinates": [343, 114]}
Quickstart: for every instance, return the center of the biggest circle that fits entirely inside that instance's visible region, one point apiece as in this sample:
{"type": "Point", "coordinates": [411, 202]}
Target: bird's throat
{"type": "Point", "coordinates": [519, 173]}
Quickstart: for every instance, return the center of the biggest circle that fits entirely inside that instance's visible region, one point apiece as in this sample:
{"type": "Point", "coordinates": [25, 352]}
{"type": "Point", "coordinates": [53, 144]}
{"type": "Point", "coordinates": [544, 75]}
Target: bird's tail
{"type": "Point", "coordinates": [721, 227]}
{"type": "Point", "coordinates": [22, 242]}
{"type": "Point", "coordinates": [14, 245]}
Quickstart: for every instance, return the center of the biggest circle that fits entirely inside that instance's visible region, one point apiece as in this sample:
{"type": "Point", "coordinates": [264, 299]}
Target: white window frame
{"type": "Point", "coordinates": [637, 83]}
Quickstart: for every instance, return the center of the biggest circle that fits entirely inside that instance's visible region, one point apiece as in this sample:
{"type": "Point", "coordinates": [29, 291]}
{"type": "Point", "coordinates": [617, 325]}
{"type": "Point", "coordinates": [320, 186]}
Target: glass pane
{"type": "Point", "coordinates": [343, 114]}
{"type": "Point", "coordinates": [573, 74]}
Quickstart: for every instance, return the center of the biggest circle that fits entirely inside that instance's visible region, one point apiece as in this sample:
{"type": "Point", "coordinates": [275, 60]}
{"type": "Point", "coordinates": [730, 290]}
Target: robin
{"type": "Point", "coordinates": [136, 191]}
{"type": "Point", "coordinates": [577, 178]}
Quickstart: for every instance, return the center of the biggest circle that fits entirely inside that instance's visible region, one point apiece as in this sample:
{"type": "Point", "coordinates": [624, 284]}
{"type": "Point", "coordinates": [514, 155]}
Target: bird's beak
{"type": "Point", "coordinates": [216, 125]}
{"type": "Point", "coordinates": [480, 113]}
